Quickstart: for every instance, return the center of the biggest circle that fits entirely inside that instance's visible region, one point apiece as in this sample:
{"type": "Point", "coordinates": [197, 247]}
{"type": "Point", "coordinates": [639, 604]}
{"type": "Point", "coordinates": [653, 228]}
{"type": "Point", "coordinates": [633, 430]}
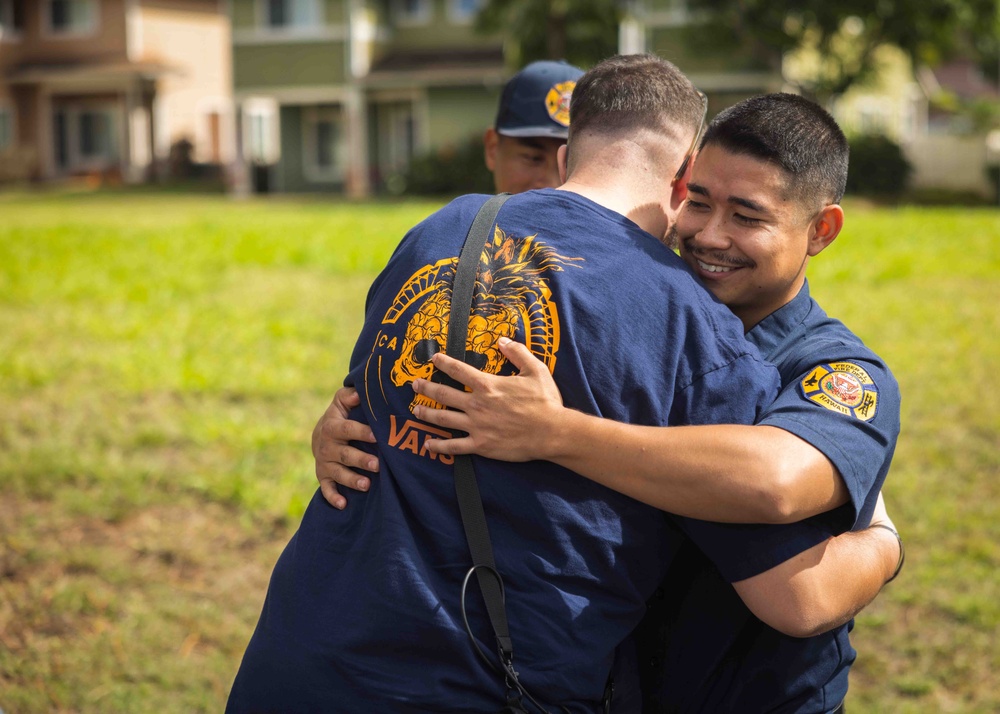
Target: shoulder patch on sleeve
{"type": "Point", "coordinates": [842, 387]}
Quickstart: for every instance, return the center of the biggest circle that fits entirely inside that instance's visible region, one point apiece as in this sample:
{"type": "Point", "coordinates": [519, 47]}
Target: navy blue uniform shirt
{"type": "Point", "coordinates": [363, 612]}
{"type": "Point", "coordinates": [701, 649]}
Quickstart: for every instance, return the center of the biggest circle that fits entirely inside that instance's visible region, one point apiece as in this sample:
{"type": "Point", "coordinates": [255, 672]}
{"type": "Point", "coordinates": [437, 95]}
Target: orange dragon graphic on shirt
{"type": "Point", "coordinates": [511, 290]}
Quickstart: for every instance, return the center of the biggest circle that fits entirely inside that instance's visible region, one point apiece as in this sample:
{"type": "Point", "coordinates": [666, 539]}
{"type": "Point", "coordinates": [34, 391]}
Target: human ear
{"type": "Point", "coordinates": [825, 228]}
{"type": "Point", "coordinates": [561, 154]}
{"type": "Point", "coordinates": [679, 184]}
{"type": "Point", "coordinates": [490, 141]}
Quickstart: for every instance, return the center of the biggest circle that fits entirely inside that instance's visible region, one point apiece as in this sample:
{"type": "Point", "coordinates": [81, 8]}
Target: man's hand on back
{"type": "Point", "coordinates": [334, 454]}
{"type": "Point", "coordinates": [507, 418]}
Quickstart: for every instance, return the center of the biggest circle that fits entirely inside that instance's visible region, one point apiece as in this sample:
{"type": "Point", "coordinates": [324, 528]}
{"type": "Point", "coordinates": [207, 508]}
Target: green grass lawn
{"type": "Point", "coordinates": [164, 358]}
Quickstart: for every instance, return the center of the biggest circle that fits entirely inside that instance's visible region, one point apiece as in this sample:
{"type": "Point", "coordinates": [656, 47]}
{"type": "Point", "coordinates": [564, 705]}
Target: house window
{"type": "Point", "coordinates": [95, 135]}
{"type": "Point", "coordinates": [411, 12]}
{"type": "Point", "coordinates": [261, 138]}
{"type": "Point", "coordinates": [11, 19]}
{"type": "Point", "coordinates": [71, 17]}
{"type": "Point", "coordinates": [397, 136]}
{"type": "Point", "coordinates": [285, 14]}
{"type": "Point", "coordinates": [6, 128]}
{"type": "Point", "coordinates": [464, 11]}
{"type": "Point", "coordinates": [324, 144]}
{"type": "Point", "coordinates": [86, 137]}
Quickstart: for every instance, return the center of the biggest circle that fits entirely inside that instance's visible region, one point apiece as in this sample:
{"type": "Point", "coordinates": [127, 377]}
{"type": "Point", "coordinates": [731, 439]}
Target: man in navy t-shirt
{"type": "Point", "coordinates": [363, 612]}
{"type": "Point", "coordinates": [763, 198]}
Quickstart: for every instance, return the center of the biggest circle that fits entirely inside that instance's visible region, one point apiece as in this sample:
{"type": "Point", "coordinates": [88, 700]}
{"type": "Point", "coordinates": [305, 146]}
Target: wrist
{"type": "Point", "coordinates": [899, 550]}
{"type": "Point", "coordinates": [556, 442]}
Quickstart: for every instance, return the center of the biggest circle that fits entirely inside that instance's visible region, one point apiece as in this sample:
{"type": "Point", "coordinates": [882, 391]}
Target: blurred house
{"type": "Point", "coordinates": [340, 95]}
{"type": "Point", "coordinates": [109, 87]}
{"type": "Point", "coordinates": [931, 114]}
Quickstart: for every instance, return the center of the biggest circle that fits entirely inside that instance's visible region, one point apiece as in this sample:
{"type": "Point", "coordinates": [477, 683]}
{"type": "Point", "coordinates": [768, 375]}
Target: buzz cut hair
{"type": "Point", "coordinates": [627, 93]}
{"type": "Point", "coordinates": [792, 132]}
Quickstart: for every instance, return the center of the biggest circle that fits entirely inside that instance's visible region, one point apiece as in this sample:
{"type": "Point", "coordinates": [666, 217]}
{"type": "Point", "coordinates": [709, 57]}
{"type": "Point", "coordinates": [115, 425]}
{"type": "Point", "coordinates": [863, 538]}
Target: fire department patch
{"type": "Point", "coordinates": [842, 387]}
{"type": "Point", "coordinates": [557, 102]}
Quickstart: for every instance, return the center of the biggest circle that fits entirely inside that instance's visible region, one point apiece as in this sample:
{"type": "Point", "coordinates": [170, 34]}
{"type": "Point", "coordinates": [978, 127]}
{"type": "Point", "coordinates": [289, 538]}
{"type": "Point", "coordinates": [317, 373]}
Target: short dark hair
{"type": "Point", "coordinates": [793, 132]}
{"type": "Point", "coordinates": [630, 92]}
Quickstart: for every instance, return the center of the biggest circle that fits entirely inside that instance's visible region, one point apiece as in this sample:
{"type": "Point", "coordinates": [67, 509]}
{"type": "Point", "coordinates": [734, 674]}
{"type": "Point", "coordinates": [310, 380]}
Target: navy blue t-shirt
{"type": "Point", "coordinates": [713, 654]}
{"type": "Point", "coordinates": [363, 609]}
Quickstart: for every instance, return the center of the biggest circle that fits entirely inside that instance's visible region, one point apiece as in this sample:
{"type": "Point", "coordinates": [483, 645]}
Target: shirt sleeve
{"type": "Point", "coordinates": [849, 410]}
{"type": "Point", "coordinates": [740, 551]}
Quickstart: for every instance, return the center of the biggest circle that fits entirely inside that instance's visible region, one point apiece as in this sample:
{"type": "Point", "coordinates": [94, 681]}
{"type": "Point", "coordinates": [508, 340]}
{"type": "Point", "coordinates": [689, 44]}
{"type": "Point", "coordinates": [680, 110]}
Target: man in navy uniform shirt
{"type": "Point", "coordinates": [763, 199]}
{"type": "Point", "coordinates": [363, 612]}
{"type": "Point", "coordinates": [532, 122]}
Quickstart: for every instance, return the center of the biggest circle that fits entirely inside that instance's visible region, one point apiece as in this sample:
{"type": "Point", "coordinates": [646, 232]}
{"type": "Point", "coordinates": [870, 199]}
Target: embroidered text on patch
{"type": "Point", "coordinates": [842, 387]}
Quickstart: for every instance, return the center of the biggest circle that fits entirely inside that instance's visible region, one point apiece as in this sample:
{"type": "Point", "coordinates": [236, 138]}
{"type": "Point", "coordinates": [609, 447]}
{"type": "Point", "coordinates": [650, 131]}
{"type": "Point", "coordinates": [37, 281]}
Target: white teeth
{"type": "Point", "coordinates": [713, 268]}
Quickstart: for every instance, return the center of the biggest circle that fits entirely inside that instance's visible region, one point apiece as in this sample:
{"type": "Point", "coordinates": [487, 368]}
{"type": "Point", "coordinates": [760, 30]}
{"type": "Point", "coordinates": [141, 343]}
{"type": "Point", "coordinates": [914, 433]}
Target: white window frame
{"type": "Point", "coordinates": [51, 32]}
{"type": "Point", "coordinates": [7, 110]}
{"type": "Point", "coordinates": [108, 154]}
{"type": "Point", "coordinates": [266, 109]}
{"type": "Point", "coordinates": [415, 19]}
{"type": "Point", "coordinates": [12, 34]}
{"type": "Point", "coordinates": [75, 159]}
{"type": "Point", "coordinates": [394, 155]}
{"type": "Point", "coordinates": [265, 27]}
{"type": "Point", "coordinates": [458, 16]}
{"type": "Point", "coordinates": [311, 116]}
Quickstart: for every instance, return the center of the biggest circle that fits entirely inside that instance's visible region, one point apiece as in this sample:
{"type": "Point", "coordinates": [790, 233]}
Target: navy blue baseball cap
{"type": "Point", "coordinates": [535, 102]}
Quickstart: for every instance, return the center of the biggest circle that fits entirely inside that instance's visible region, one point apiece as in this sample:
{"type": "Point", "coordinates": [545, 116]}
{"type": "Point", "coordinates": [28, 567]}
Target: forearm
{"type": "Point", "coordinates": [825, 586]}
{"type": "Point", "coordinates": [723, 473]}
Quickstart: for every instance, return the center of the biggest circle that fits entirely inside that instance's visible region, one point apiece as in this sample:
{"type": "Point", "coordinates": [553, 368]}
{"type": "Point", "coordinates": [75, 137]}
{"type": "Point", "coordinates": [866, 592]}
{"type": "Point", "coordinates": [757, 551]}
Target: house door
{"type": "Point", "coordinates": [61, 137]}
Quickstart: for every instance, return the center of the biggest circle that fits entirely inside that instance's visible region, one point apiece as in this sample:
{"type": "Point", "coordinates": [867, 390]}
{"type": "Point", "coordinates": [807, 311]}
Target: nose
{"type": "Point", "coordinates": [712, 235]}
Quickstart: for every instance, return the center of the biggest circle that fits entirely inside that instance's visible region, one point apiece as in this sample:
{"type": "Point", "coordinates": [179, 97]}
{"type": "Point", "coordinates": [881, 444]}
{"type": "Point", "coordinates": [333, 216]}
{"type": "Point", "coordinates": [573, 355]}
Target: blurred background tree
{"type": "Point", "coordinates": [840, 39]}
{"type": "Point", "coordinates": [842, 36]}
{"type": "Point", "coordinates": [582, 32]}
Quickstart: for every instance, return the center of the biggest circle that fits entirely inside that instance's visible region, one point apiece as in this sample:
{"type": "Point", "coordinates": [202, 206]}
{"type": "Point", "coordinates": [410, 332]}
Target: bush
{"type": "Point", "coordinates": [449, 171]}
{"type": "Point", "coordinates": [878, 167]}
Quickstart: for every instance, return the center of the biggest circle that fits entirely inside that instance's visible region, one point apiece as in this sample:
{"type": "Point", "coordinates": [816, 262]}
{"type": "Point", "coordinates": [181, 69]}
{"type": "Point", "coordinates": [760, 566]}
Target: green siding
{"type": "Point", "coordinates": [244, 13]}
{"type": "Point", "coordinates": [436, 36]}
{"type": "Point", "coordinates": [336, 12]}
{"type": "Point", "coordinates": [295, 64]}
{"type": "Point", "coordinates": [460, 113]}
{"type": "Point", "coordinates": [438, 33]}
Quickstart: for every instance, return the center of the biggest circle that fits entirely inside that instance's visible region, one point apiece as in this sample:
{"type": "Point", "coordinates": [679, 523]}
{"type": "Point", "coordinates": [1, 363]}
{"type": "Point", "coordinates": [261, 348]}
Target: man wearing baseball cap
{"type": "Point", "coordinates": [532, 123]}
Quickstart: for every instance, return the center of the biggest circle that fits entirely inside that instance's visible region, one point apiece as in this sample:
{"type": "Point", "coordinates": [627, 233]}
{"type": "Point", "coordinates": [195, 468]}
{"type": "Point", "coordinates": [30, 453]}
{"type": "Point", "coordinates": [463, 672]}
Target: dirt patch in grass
{"type": "Point", "coordinates": [150, 613]}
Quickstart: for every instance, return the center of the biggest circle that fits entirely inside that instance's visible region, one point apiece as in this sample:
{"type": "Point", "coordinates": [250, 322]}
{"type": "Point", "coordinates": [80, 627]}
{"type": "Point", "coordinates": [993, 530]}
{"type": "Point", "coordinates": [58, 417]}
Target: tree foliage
{"type": "Point", "coordinates": [844, 35]}
{"type": "Point", "coordinates": [582, 32]}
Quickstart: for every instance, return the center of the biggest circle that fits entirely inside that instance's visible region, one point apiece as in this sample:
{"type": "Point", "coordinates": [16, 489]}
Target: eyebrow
{"type": "Point", "coordinates": [746, 202]}
{"type": "Point", "coordinates": [752, 205]}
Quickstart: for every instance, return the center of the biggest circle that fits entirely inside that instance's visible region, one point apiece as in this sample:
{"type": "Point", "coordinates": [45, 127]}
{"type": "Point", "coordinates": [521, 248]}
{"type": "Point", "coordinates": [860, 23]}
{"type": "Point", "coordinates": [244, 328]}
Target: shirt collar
{"type": "Point", "coordinates": [773, 330]}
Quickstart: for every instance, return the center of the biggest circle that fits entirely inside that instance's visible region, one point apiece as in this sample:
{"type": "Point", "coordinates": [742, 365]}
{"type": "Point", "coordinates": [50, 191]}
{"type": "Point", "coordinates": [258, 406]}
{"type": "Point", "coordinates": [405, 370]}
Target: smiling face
{"type": "Point", "coordinates": [522, 164]}
{"type": "Point", "coordinates": [747, 235]}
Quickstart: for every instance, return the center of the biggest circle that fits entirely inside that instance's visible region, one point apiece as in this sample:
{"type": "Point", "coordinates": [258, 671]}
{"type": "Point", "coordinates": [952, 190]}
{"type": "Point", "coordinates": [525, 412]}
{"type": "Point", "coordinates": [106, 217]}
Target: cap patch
{"type": "Point", "coordinates": [557, 102]}
{"type": "Point", "coordinates": [842, 387]}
